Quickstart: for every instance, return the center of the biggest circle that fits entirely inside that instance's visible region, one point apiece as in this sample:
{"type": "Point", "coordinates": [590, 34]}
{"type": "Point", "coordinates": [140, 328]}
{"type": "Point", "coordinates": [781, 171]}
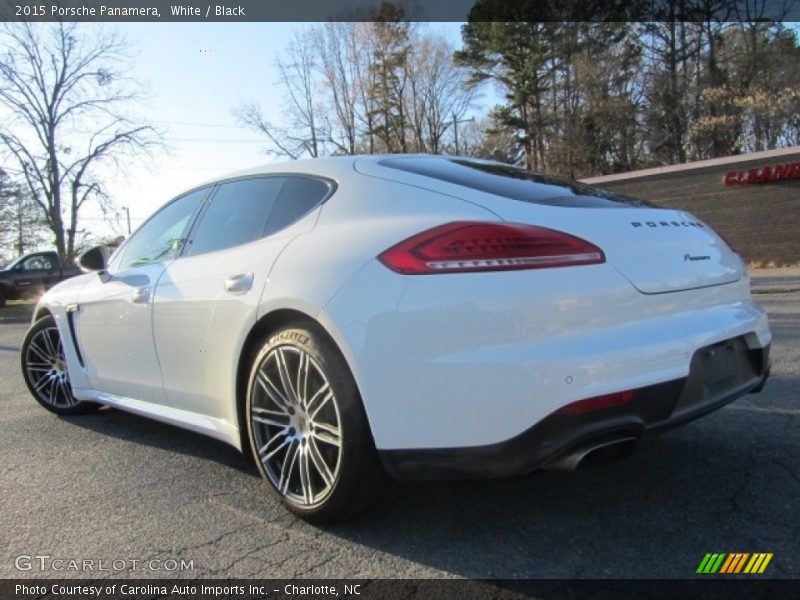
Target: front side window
{"type": "Point", "coordinates": [162, 236]}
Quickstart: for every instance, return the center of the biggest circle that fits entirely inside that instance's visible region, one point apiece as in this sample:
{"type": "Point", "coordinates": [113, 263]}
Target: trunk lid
{"type": "Point", "coordinates": [657, 250]}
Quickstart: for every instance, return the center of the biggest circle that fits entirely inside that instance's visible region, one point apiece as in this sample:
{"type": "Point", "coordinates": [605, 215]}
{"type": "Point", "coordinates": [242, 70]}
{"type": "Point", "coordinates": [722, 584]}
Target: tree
{"type": "Point", "coordinates": [364, 86]}
{"type": "Point", "coordinates": [436, 93]}
{"type": "Point", "coordinates": [297, 76]}
{"type": "Point", "coordinates": [64, 95]}
{"type": "Point", "coordinates": [764, 59]}
{"type": "Point", "coordinates": [669, 53]}
{"type": "Point", "coordinates": [342, 53]}
{"type": "Point", "coordinates": [9, 202]}
{"type": "Point", "coordinates": [388, 72]}
{"type": "Point", "coordinates": [604, 101]}
{"type": "Point", "coordinates": [21, 226]}
{"type": "Point", "coordinates": [490, 140]}
{"type": "Point", "coordinates": [517, 57]}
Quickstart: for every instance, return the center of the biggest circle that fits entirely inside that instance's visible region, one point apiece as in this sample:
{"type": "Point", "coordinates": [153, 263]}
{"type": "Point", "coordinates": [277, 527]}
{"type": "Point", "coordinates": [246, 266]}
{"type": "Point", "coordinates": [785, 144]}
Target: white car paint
{"type": "Point", "coordinates": [121, 309]}
{"type": "Point", "coordinates": [441, 361]}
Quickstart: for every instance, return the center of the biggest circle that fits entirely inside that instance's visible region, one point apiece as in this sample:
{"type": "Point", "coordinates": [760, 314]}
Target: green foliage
{"type": "Point", "coordinates": [586, 87]}
{"type": "Point", "coordinates": [21, 227]}
{"type": "Point", "coordinates": [587, 98]}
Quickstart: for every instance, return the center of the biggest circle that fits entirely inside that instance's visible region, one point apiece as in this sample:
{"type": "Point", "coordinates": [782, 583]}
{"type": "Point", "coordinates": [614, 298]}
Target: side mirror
{"type": "Point", "coordinates": [94, 259]}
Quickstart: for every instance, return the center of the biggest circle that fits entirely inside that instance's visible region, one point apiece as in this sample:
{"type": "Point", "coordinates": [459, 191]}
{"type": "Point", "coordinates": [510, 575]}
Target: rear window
{"type": "Point", "coordinates": [512, 182]}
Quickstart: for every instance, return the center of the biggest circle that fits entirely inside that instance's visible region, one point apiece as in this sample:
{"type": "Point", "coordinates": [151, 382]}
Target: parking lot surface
{"type": "Point", "coordinates": [115, 487]}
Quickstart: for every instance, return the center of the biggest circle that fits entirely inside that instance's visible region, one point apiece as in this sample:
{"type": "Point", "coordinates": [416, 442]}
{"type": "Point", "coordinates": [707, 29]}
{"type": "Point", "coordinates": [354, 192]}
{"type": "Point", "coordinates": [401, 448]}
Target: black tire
{"type": "Point", "coordinates": [45, 370]}
{"type": "Point", "coordinates": [286, 432]}
{"type": "Point", "coordinates": [2, 299]}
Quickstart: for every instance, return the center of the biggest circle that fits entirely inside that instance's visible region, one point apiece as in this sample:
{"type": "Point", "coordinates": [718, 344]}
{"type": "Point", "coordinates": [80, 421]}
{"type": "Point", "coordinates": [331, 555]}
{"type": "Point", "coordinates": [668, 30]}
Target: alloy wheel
{"type": "Point", "coordinates": [296, 425]}
{"type": "Point", "coordinates": [46, 369]}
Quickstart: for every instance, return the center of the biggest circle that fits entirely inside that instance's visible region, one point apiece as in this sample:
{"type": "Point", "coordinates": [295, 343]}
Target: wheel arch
{"type": "Point", "coordinates": [41, 312]}
{"type": "Point", "coordinates": [266, 325]}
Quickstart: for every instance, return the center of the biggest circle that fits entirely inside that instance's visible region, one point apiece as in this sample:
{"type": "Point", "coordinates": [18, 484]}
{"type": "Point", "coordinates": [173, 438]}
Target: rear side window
{"type": "Point", "coordinates": [236, 215]}
{"type": "Point", "coordinates": [298, 196]}
{"type": "Point", "coordinates": [512, 182]}
{"type": "Point", "coordinates": [245, 210]}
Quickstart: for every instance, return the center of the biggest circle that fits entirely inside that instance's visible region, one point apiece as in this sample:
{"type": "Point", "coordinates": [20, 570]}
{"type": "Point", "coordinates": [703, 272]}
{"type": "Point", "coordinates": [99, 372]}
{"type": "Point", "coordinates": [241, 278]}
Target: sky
{"type": "Point", "coordinates": [196, 74]}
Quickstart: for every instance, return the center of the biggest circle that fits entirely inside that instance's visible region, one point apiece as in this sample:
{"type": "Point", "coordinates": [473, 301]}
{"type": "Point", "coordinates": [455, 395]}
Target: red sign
{"type": "Point", "coordinates": [763, 174]}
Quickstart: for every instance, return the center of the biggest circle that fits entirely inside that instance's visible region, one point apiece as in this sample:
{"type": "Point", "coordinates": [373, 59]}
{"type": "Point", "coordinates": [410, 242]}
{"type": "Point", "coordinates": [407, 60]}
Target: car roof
{"type": "Point", "coordinates": [334, 167]}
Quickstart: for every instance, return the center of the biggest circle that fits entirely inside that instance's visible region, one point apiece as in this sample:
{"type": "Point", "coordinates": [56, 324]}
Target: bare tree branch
{"type": "Point", "coordinates": [61, 90]}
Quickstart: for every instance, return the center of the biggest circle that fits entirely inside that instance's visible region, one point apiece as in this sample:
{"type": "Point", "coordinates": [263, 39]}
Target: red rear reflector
{"type": "Point", "coordinates": [597, 403]}
{"type": "Point", "coordinates": [464, 247]}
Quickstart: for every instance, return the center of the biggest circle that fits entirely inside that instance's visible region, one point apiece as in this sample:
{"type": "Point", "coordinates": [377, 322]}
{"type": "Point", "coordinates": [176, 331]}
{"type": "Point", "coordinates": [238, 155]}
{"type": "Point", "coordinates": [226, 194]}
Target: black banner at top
{"type": "Point", "coordinates": [414, 10]}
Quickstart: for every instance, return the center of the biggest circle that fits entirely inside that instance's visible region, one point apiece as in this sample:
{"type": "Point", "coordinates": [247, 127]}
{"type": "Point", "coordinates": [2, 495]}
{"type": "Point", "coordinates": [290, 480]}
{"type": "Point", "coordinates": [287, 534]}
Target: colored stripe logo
{"type": "Point", "coordinates": [734, 562]}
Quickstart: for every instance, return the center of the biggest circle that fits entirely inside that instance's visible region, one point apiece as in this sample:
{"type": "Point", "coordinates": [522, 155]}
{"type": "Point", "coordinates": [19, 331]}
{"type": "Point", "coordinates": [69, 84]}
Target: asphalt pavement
{"type": "Point", "coordinates": [115, 487]}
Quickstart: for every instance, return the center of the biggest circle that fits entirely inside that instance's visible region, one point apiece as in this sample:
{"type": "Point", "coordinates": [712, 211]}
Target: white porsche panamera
{"type": "Point", "coordinates": [349, 319]}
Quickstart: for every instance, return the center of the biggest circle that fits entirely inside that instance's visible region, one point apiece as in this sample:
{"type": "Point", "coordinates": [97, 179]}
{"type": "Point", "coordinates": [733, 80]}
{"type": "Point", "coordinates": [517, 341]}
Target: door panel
{"type": "Point", "coordinates": [115, 310]}
{"type": "Point", "coordinates": [30, 283]}
{"type": "Point", "coordinates": [34, 275]}
{"type": "Point", "coordinates": [207, 301]}
{"type": "Point", "coordinates": [199, 325]}
{"type": "Point", "coordinates": [114, 326]}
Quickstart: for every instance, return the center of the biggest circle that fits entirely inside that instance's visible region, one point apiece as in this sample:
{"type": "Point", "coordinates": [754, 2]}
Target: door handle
{"type": "Point", "coordinates": [141, 295]}
{"type": "Point", "coordinates": [239, 283]}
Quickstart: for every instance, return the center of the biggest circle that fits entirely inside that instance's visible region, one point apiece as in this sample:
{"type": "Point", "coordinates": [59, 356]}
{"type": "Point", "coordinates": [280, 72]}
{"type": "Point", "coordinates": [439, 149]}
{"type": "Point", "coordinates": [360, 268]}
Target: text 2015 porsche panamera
{"type": "Point", "coordinates": [348, 320]}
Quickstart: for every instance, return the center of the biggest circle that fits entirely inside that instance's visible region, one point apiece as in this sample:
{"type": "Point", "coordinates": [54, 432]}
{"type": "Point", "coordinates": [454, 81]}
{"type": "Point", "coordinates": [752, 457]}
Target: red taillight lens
{"type": "Point", "coordinates": [597, 403]}
{"type": "Point", "coordinates": [465, 247]}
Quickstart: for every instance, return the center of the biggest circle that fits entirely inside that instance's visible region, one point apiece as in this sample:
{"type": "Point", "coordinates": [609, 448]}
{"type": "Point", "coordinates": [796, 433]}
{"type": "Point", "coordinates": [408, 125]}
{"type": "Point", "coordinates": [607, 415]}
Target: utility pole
{"type": "Point", "coordinates": [456, 121]}
{"type": "Point", "coordinates": [128, 215]}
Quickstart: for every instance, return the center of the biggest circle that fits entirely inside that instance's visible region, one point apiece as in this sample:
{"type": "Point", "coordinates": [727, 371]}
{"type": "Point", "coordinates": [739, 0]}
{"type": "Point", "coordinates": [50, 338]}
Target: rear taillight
{"type": "Point", "coordinates": [598, 403]}
{"type": "Point", "coordinates": [464, 247]}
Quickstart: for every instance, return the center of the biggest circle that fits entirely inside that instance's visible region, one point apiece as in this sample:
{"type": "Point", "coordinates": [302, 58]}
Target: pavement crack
{"type": "Point", "coordinates": [239, 559]}
{"type": "Point", "coordinates": [325, 561]}
{"type": "Point", "coordinates": [786, 468]}
{"type": "Point", "coordinates": [216, 540]}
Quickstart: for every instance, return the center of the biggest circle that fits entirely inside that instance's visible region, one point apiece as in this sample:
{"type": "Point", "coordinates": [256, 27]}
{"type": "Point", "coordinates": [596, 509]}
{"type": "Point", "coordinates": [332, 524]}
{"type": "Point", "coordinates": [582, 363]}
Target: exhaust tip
{"type": "Point", "coordinates": [594, 454]}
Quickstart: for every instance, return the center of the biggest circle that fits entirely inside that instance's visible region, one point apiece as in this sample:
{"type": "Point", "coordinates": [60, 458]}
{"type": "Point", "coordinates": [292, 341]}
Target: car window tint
{"type": "Point", "coordinates": [237, 214]}
{"type": "Point", "coordinates": [162, 236]}
{"type": "Point", "coordinates": [298, 196]}
{"type": "Point", "coordinates": [513, 182]}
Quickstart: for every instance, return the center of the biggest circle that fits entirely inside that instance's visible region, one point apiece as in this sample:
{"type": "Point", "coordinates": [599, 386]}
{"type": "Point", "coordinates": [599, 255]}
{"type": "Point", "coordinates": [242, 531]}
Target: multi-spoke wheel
{"type": "Point", "coordinates": [308, 431]}
{"type": "Point", "coordinates": [44, 368]}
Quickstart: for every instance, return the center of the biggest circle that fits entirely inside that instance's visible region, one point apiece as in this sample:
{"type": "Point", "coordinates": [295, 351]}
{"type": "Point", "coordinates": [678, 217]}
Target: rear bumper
{"type": "Point", "coordinates": [472, 360]}
{"type": "Point", "coordinates": [719, 373]}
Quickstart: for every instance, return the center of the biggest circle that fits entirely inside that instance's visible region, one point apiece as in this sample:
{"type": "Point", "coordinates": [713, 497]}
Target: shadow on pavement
{"type": "Point", "coordinates": [126, 426]}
